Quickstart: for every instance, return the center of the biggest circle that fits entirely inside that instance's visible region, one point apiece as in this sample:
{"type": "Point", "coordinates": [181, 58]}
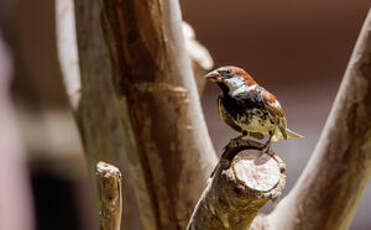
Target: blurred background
{"type": "Point", "coordinates": [298, 50]}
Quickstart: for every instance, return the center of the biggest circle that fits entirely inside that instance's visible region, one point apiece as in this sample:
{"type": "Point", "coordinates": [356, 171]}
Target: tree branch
{"type": "Point", "coordinates": [138, 105]}
{"type": "Point", "coordinates": [109, 186]}
{"type": "Point", "coordinates": [238, 190]}
{"type": "Point", "coordinates": [328, 191]}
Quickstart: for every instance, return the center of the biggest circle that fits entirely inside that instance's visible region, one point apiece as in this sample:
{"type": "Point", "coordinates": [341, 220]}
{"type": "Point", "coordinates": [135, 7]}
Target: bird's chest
{"type": "Point", "coordinates": [256, 120]}
{"type": "Point", "coordinates": [248, 113]}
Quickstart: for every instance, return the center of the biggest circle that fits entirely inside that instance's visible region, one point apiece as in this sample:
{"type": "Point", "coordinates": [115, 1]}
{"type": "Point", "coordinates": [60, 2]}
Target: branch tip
{"type": "Point", "coordinates": [109, 188]}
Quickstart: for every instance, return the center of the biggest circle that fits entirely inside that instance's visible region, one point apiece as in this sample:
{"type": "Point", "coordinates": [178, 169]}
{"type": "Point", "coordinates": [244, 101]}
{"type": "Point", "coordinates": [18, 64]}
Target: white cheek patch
{"type": "Point", "coordinates": [276, 104]}
{"type": "Point", "coordinates": [234, 83]}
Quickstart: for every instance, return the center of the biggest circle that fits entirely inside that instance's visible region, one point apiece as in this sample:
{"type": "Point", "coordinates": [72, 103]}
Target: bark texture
{"type": "Point", "coordinates": [239, 188]}
{"type": "Point", "coordinates": [137, 104]}
{"type": "Point", "coordinates": [109, 188]}
{"type": "Point", "coordinates": [328, 191]}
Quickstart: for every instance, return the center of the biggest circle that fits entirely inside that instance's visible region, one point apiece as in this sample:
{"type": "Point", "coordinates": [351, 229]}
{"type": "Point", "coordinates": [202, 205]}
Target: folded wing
{"type": "Point", "coordinates": [275, 110]}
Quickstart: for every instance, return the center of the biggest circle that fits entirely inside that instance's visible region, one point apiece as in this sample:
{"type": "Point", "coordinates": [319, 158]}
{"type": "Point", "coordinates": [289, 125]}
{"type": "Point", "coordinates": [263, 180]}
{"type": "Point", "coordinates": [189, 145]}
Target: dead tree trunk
{"type": "Point", "coordinates": [137, 105]}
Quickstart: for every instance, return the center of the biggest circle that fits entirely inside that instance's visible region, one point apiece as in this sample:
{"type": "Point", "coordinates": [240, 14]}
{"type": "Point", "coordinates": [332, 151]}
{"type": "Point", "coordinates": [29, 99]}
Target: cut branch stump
{"type": "Point", "coordinates": [245, 181]}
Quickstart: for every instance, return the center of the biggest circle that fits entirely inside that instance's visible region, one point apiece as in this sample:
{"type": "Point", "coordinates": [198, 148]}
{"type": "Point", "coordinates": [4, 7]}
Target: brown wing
{"type": "Point", "coordinates": [275, 110]}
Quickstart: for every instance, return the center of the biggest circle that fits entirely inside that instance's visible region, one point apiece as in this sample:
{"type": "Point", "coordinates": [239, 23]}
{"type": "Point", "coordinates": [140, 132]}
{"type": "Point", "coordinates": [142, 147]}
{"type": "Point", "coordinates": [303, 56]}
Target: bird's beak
{"type": "Point", "coordinates": [214, 76]}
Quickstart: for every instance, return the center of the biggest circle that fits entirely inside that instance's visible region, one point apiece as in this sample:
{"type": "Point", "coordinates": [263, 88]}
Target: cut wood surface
{"type": "Point", "coordinates": [238, 190]}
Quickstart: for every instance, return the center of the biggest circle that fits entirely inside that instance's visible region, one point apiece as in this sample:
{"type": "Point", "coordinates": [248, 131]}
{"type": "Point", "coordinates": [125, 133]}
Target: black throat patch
{"type": "Point", "coordinates": [242, 102]}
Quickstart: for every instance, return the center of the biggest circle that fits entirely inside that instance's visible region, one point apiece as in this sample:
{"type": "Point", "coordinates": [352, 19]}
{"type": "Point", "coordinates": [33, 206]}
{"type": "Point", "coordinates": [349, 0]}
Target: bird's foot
{"type": "Point", "coordinates": [267, 146]}
{"type": "Point", "coordinates": [267, 149]}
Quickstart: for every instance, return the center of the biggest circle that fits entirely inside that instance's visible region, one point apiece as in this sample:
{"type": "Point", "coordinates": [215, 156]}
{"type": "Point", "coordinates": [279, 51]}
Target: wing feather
{"type": "Point", "coordinates": [275, 110]}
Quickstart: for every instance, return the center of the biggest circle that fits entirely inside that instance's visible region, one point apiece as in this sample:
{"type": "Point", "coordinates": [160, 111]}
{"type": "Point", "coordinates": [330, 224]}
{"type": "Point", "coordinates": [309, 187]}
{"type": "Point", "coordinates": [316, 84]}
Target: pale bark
{"type": "Point", "coordinates": [240, 187]}
{"type": "Point", "coordinates": [328, 191]}
{"type": "Point", "coordinates": [109, 182]}
{"type": "Point", "coordinates": [138, 105]}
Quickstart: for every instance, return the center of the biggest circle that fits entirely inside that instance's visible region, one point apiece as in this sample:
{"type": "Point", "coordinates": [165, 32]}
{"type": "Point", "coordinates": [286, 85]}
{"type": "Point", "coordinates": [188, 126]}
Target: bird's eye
{"type": "Point", "coordinates": [226, 73]}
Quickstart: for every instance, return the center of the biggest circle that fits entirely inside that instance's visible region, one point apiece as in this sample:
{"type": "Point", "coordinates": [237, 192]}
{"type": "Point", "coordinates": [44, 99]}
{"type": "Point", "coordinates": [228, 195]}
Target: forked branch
{"type": "Point", "coordinates": [136, 102]}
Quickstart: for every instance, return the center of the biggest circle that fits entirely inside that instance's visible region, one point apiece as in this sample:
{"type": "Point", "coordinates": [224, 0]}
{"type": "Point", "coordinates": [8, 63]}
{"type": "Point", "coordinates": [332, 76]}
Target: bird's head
{"type": "Point", "coordinates": [230, 78]}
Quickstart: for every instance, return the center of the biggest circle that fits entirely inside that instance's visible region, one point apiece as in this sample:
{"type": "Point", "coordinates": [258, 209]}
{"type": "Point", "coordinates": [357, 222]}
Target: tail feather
{"type": "Point", "coordinates": [278, 135]}
{"type": "Point", "coordinates": [283, 132]}
{"type": "Point", "coordinates": [292, 134]}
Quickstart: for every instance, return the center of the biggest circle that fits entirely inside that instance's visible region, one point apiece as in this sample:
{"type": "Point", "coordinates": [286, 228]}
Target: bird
{"type": "Point", "coordinates": [248, 108]}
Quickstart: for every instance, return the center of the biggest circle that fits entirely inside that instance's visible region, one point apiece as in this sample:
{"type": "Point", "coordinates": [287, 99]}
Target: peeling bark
{"type": "Point", "coordinates": [239, 188]}
{"type": "Point", "coordinates": [138, 105]}
{"type": "Point", "coordinates": [328, 191]}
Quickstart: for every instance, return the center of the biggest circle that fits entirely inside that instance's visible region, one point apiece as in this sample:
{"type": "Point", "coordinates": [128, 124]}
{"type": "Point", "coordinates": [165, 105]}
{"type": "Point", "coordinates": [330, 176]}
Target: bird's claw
{"type": "Point", "coordinates": [268, 150]}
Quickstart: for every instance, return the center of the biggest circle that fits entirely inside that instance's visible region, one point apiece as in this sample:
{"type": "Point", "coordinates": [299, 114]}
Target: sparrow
{"type": "Point", "coordinates": [249, 108]}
